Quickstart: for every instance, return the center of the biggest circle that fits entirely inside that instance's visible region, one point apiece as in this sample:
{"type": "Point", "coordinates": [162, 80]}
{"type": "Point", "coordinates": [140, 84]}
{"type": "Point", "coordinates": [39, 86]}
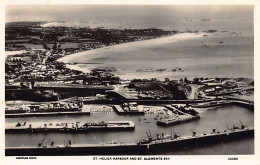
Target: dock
{"type": "Point", "coordinates": [241, 102]}
{"type": "Point", "coordinates": [77, 126]}
{"type": "Point", "coordinates": [179, 117]}
{"type": "Point", "coordinates": [212, 104]}
{"type": "Point", "coordinates": [39, 114]}
{"type": "Point", "coordinates": [177, 120]}
{"type": "Point", "coordinates": [143, 147]}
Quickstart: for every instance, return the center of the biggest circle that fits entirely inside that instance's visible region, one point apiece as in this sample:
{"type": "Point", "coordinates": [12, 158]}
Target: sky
{"type": "Point", "coordinates": [110, 12]}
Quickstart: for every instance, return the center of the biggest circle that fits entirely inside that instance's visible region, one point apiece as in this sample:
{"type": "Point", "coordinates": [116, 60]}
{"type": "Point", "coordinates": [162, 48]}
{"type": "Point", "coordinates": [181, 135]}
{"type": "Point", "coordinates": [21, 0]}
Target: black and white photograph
{"type": "Point", "coordinates": [120, 80]}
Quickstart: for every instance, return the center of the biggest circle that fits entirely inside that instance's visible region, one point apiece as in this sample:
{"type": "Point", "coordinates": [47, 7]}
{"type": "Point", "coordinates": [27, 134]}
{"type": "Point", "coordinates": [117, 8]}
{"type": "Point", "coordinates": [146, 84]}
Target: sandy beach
{"type": "Point", "coordinates": [124, 47]}
{"type": "Point", "coordinates": [73, 58]}
{"type": "Point", "coordinates": [218, 54]}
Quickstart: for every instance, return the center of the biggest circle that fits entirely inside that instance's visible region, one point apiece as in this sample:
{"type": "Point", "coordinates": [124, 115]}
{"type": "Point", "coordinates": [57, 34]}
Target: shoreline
{"type": "Point", "coordinates": [89, 54]}
{"type": "Point", "coordinates": [155, 41]}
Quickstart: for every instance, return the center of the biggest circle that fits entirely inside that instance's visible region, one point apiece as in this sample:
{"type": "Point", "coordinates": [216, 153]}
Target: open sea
{"type": "Point", "coordinates": [227, 53]}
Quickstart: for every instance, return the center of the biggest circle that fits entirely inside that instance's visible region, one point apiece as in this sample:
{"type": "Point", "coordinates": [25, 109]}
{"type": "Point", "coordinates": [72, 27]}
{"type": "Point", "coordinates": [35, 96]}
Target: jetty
{"type": "Point", "coordinates": [146, 146]}
{"type": "Point", "coordinates": [74, 127]}
{"type": "Point", "coordinates": [177, 120]}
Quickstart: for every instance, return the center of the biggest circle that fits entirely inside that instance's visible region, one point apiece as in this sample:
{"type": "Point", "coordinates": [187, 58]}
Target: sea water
{"type": "Point", "coordinates": [219, 118]}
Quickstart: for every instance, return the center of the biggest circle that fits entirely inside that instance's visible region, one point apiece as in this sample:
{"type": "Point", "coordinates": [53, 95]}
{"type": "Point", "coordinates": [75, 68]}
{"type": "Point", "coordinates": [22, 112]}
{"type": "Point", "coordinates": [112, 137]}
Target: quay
{"type": "Point", "coordinates": [84, 111]}
{"type": "Point", "coordinates": [147, 146]}
{"type": "Point", "coordinates": [39, 114]}
{"type": "Point", "coordinates": [72, 127]}
{"type": "Point", "coordinates": [244, 103]}
{"type": "Point", "coordinates": [178, 120]}
{"type": "Point", "coordinates": [133, 109]}
{"type": "Point", "coordinates": [179, 116]}
{"type": "Point", "coordinates": [240, 102]}
{"type": "Point", "coordinates": [212, 104]}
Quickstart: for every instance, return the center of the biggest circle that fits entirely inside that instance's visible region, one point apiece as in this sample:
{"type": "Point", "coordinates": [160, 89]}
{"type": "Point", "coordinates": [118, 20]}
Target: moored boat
{"type": "Point", "coordinates": [146, 146]}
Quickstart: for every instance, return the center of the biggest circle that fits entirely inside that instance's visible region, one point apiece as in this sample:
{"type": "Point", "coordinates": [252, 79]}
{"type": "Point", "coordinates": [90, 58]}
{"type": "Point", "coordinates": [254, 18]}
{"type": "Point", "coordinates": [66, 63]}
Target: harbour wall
{"type": "Point", "coordinates": [132, 148]}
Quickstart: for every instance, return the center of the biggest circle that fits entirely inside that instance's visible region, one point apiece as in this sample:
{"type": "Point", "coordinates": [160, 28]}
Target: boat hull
{"type": "Point", "coordinates": [153, 147]}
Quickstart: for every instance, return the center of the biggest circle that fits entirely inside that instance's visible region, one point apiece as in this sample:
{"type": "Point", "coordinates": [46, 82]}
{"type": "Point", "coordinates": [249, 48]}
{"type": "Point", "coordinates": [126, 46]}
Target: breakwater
{"type": "Point", "coordinates": [144, 147]}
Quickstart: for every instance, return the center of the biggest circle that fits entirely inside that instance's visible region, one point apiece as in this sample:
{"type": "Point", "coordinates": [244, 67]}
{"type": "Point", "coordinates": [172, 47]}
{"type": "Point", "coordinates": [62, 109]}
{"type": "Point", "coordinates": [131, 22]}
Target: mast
{"type": "Point", "coordinates": [102, 139]}
{"type": "Point", "coordinates": [150, 133]}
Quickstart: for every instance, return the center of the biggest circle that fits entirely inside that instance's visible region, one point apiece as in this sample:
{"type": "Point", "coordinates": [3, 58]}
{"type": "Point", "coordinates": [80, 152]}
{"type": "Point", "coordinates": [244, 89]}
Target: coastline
{"type": "Point", "coordinates": [78, 68]}
{"type": "Point", "coordinates": [123, 46]}
{"type": "Point", "coordinates": [132, 59]}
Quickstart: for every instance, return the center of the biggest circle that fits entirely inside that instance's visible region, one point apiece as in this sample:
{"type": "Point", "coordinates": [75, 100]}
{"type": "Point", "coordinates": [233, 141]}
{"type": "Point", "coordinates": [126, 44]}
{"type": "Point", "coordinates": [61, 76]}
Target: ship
{"type": "Point", "coordinates": [195, 140]}
{"type": "Point", "coordinates": [150, 145]}
{"type": "Point", "coordinates": [69, 126]}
